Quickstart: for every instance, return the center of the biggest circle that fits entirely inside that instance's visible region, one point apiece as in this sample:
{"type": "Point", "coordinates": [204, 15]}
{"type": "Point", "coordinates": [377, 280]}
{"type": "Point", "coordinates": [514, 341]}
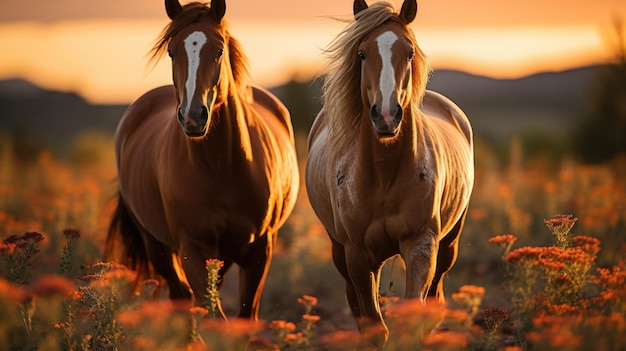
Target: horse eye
{"type": "Point", "coordinates": [170, 53]}
{"type": "Point", "coordinates": [220, 53]}
{"type": "Point", "coordinates": [361, 55]}
{"type": "Point", "coordinates": [411, 55]}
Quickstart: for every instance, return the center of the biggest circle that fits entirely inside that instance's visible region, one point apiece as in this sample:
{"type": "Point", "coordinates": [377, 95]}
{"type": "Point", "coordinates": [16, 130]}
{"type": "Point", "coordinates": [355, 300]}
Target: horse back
{"type": "Point", "coordinates": [271, 110]}
{"type": "Point", "coordinates": [439, 106]}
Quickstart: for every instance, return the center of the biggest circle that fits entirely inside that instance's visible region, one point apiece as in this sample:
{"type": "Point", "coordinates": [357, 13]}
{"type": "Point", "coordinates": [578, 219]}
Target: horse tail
{"type": "Point", "coordinates": [133, 251]}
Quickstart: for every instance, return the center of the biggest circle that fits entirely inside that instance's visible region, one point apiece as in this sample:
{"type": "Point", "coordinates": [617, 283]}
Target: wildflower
{"type": "Point", "coordinates": [341, 338]}
{"type": "Point", "coordinates": [493, 318]}
{"type": "Point", "coordinates": [282, 325]}
{"type": "Point", "coordinates": [200, 311]}
{"type": "Point", "coordinates": [52, 285]}
{"type": "Point", "coordinates": [293, 338]}
{"type": "Point", "coordinates": [11, 291]}
{"type": "Point", "coordinates": [550, 264]}
{"type": "Point", "coordinates": [7, 248]}
{"type": "Point", "coordinates": [22, 240]}
{"type": "Point", "coordinates": [563, 309]}
{"type": "Point", "coordinates": [214, 263]}
{"type": "Point", "coordinates": [212, 296]}
{"type": "Point", "coordinates": [505, 242]}
{"type": "Point", "coordinates": [71, 233]}
{"type": "Point", "coordinates": [473, 290]}
{"type": "Point", "coordinates": [588, 244]}
{"type": "Point", "coordinates": [310, 318]}
{"type": "Point", "coordinates": [261, 344]}
{"type": "Point", "coordinates": [564, 279]}
{"type": "Point", "coordinates": [452, 340]}
{"type": "Point", "coordinates": [307, 300]}
{"type": "Point", "coordinates": [560, 226]}
{"type": "Point", "coordinates": [469, 298]}
{"type": "Point", "coordinates": [524, 254]}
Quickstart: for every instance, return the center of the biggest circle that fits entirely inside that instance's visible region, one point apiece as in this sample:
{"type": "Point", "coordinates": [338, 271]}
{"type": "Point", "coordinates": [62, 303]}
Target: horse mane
{"type": "Point", "coordinates": [192, 13]}
{"type": "Point", "coordinates": [341, 91]}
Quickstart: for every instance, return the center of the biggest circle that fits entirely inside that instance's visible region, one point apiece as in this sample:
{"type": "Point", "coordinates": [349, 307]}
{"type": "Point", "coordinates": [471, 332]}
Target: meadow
{"type": "Point", "coordinates": [541, 267]}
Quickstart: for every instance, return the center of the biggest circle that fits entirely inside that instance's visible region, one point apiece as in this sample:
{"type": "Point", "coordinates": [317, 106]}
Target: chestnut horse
{"type": "Point", "coordinates": [390, 166]}
{"type": "Point", "coordinates": [206, 168]}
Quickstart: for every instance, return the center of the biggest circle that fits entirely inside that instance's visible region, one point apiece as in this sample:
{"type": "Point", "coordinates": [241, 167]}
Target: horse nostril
{"type": "Point", "coordinates": [398, 114]}
{"type": "Point", "coordinates": [375, 111]}
{"type": "Point", "coordinates": [204, 113]}
{"type": "Point", "coordinates": [181, 118]}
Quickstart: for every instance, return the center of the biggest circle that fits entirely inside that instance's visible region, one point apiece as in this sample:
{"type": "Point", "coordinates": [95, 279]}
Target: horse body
{"type": "Point", "coordinates": [388, 188]}
{"type": "Point", "coordinates": [185, 197]}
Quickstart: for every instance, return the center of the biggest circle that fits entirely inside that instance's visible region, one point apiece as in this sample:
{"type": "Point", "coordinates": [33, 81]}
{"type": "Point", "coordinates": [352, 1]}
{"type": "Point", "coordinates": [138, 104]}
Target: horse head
{"type": "Point", "coordinates": [386, 55]}
{"type": "Point", "coordinates": [198, 49]}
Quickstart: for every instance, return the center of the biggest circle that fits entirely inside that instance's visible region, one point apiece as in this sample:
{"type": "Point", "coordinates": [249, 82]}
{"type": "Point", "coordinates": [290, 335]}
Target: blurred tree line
{"type": "Point", "coordinates": [602, 134]}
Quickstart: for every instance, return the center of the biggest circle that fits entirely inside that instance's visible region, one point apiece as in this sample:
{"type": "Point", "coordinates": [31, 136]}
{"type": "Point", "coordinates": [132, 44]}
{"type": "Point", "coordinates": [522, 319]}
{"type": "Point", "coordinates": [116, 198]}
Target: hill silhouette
{"type": "Point", "coordinates": [548, 102]}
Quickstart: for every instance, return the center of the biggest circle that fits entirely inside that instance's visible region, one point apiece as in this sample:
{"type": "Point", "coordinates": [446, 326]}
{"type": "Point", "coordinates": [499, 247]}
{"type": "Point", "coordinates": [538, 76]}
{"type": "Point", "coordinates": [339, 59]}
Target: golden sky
{"type": "Point", "coordinates": [99, 48]}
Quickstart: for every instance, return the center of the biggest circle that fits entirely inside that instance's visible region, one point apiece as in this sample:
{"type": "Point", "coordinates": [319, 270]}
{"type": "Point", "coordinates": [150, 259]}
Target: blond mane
{"type": "Point", "coordinates": [342, 84]}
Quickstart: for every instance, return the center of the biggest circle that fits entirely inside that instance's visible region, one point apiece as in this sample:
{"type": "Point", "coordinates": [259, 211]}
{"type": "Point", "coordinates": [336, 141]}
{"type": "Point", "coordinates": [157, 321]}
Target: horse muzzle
{"type": "Point", "coordinates": [386, 121]}
{"type": "Point", "coordinates": [194, 119]}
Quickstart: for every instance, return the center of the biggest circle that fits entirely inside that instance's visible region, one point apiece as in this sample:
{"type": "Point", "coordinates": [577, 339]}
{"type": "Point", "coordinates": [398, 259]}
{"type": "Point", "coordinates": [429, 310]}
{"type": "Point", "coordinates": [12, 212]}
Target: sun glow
{"type": "Point", "coordinates": [106, 61]}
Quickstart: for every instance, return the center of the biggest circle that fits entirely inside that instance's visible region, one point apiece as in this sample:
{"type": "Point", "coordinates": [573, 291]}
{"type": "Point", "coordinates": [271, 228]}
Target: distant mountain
{"type": "Point", "coordinates": [546, 102]}
{"type": "Point", "coordinates": [50, 118]}
{"type": "Point", "coordinates": [549, 102]}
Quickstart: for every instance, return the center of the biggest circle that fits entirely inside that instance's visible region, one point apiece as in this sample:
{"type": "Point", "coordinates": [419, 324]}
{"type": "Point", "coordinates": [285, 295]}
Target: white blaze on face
{"type": "Point", "coordinates": [387, 75]}
{"type": "Point", "coordinates": [193, 44]}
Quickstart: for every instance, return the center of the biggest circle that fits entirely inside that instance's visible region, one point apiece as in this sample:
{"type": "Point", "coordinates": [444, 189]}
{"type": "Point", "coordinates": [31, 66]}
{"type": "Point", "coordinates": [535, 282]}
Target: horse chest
{"type": "Point", "coordinates": [224, 201]}
{"type": "Point", "coordinates": [377, 212]}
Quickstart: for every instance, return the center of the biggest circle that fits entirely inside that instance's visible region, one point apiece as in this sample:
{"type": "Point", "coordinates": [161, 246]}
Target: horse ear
{"type": "Point", "coordinates": [173, 8]}
{"type": "Point", "coordinates": [218, 9]}
{"type": "Point", "coordinates": [408, 11]}
{"type": "Point", "coordinates": [359, 5]}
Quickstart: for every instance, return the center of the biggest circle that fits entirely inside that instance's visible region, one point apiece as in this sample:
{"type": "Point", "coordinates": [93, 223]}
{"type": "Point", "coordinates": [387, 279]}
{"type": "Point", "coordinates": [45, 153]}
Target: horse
{"type": "Point", "coordinates": [207, 167]}
{"type": "Point", "coordinates": [390, 164]}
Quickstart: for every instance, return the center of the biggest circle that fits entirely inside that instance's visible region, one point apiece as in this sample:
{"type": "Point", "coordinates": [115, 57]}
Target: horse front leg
{"type": "Point", "coordinates": [420, 256]}
{"type": "Point", "coordinates": [339, 258]}
{"type": "Point", "coordinates": [193, 257]}
{"type": "Point", "coordinates": [365, 281]}
{"type": "Point", "coordinates": [252, 274]}
{"type": "Point", "coordinates": [448, 251]}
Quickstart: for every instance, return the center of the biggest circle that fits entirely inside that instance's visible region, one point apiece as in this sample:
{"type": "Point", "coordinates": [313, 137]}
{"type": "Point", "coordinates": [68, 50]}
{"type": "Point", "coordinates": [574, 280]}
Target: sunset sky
{"type": "Point", "coordinates": [99, 48]}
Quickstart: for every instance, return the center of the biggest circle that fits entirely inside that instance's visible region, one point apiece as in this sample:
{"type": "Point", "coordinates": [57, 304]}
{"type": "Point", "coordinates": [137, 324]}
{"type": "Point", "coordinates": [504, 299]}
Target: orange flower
{"type": "Point", "coordinates": [51, 285]}
{"type": "Point", "coordinates": [475, 290]}
{"type": "Point", "coordinates": [214, 263]}
{"type": "Point", "coordinates": [293, 337]}
{"type": "Point", "coordinates": [340, 338]}
{"type": "Point", "coordinates": [307, 300]}
{"type": "Point", "coordinates": [503, 240]}
{"type": "Point", "coordinates": [447, 338]}
{"type": "Point", "coordinates": [524, 254]}
{"type": "Point", "coordinates": [282, 324]}
{"type": "Point", "coordinates": [310, 317]}
{"type": "Point", "coordinates": [71, 233]}
{"type": "Point", "coordinates": [11, 291]}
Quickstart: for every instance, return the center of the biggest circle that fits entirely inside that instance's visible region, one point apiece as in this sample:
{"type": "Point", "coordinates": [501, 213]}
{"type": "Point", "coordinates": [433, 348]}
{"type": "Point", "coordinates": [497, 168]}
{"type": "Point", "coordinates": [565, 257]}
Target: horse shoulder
{"type": "Point", "coordinates": [437, 105]}
{"type": "Point", "coordinates": [316, 128]}
{"type": "Point", "coordinates": [155, 102]}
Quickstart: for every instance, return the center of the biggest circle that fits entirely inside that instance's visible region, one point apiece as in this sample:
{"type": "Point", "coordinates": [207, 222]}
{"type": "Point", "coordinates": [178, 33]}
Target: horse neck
{"type": "Point", "coordinates": [390, 156]}
{"type": "Point", "coordinates": [228, 132]}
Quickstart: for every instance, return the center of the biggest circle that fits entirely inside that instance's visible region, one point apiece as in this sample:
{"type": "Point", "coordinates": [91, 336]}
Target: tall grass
{"type": "Point", "coordinates": [544, 288]}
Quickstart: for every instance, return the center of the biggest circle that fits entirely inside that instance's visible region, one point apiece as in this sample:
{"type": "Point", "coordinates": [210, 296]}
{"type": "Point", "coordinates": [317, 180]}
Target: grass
{"type": "Point", "coordinates": [544, 288]}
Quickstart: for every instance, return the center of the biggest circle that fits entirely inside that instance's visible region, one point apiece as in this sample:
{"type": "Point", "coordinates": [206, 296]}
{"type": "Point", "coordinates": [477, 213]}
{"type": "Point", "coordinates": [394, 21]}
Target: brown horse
{"type": "Point", "coordinates": [390, 167]}
{"type": "Point", "coordinates": [206, 168]}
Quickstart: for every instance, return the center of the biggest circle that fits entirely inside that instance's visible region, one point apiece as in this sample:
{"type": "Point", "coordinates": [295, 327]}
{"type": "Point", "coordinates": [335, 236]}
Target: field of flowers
{"type": "Point", "coordinates": [541, 267]}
